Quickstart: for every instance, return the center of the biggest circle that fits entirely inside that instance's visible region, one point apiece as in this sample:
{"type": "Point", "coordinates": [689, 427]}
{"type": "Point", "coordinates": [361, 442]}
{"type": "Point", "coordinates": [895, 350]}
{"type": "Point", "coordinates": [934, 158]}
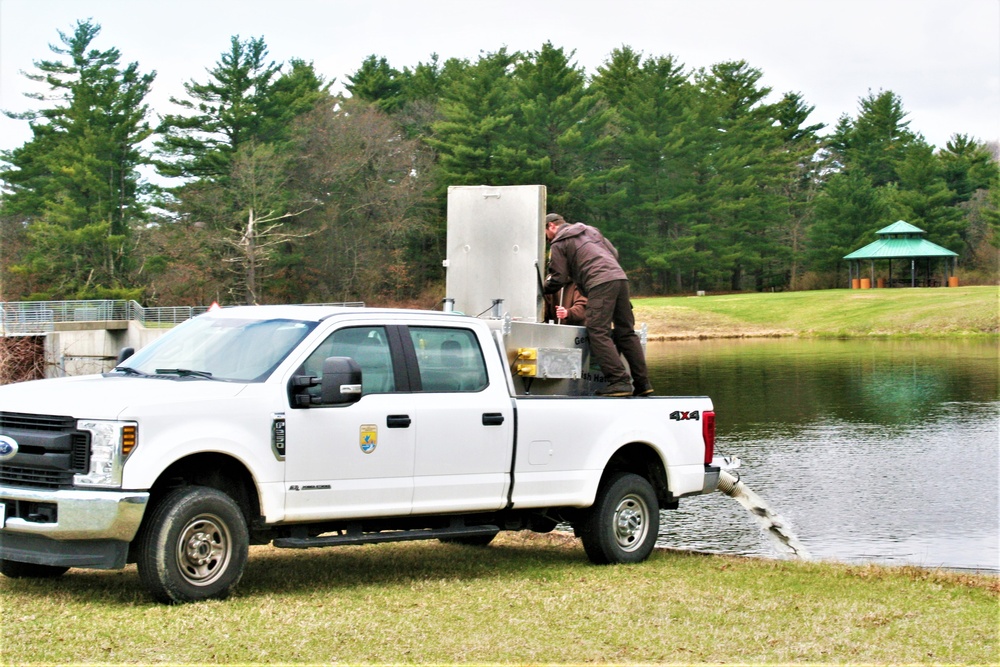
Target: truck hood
{"type": "Point", "coordinates": [99, 397]}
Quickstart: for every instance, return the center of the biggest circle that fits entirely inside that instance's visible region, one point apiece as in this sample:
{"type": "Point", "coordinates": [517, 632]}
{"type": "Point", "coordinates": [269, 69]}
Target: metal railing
{"type": "Point", "coordinates": [39, 317]}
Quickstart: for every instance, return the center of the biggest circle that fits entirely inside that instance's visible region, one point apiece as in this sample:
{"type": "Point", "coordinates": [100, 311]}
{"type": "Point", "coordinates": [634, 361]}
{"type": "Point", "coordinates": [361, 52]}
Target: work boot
{"type": "Point", "coordinates": [643, 390]}
{"type": "Point", "coordinates": [616, 389]}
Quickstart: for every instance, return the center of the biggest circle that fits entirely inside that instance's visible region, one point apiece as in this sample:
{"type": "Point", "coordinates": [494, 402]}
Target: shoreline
{"type": "Point", "coordinates": [691, 336]}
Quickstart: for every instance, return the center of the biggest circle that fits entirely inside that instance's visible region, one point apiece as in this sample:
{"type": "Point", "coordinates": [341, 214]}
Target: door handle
{"type": "Point", "coordinates": [397, 421]}
{"type": "Point", "coordinates": [492, 419]}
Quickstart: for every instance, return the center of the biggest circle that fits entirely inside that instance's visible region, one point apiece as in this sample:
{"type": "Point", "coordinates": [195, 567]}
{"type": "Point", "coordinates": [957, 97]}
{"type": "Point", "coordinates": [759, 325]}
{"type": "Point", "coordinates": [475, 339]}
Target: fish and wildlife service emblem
{"type": "Point", "coordinates": [369, 438]}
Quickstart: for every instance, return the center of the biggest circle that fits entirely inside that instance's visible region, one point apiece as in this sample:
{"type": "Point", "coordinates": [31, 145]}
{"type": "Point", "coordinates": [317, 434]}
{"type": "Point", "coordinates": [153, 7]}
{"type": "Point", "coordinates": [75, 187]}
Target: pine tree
{"type": "Point", "coordinates": [848, 212]}
{"type": "Point", "coordinates": [76, 183]}
{"type": "Point", "coordinates": [378, 83]}
{"type": "Point", "coordinates": [805, 162]}
{"type": "Point", "coordinates": [293, 93]}
{"type": "Point", "coordinates": [877, 140]}
{"type": "Point", "coordinates": [651, 221]}
{"type": "Point", "coordinates": [967, 166]}
{"type": "Point", "coordinates": [922, 197]}
{"type": "Point", "coordinates": [473, 138]}
{"type": "Point", "coordinates": [741, 169]}
{"type": "Point", "coordinates": [616, 75]}
{"type": "Point", "coordinates": [560, 131]}
{"type": "Point", "coordinates": [233, 107]}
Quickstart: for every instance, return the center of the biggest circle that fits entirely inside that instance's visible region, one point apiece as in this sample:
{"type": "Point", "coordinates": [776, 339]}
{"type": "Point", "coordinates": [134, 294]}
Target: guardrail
{"type": "Point", "coordinates": [39, 317]}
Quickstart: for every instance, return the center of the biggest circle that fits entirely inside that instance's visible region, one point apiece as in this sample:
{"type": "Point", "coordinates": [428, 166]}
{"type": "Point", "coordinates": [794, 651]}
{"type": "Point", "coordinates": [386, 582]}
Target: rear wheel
{"type": "Point", "coordinates": [194, 546]}
{"type": "Point", "coordinates": [623, 524]}
{"type": "Point", "coordinates": [17, 570]}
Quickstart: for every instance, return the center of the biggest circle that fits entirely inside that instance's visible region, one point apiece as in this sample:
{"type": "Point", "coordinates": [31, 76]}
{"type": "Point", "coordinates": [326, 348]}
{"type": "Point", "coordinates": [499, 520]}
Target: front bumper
{"type": "Point", "coordinates": [69, 514]}
{"type": "Point", "coordinates": [69, 527]}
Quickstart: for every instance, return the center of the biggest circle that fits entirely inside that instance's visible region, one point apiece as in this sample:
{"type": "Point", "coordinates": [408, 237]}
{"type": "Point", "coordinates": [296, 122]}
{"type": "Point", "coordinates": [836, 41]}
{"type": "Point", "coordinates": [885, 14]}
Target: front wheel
{"type": "Point", "coordinates": [623, 524]}
{"type": "Point", "coordinates": [194, 546]}
{"type": "Point", "coordinates": [18, 570]}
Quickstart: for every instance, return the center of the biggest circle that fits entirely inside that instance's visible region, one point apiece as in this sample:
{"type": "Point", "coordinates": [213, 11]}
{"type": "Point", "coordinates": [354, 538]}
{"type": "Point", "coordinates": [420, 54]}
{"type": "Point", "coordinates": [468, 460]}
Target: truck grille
{"type": "Point", "coordinates": [50, 450]}
{"type": "Point", "coordinates": [36, 479]}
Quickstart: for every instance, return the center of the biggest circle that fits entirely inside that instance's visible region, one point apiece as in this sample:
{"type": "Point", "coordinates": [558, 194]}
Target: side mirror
{"type": "Point", "coordinates": [341, 382]}
{"type": "Point", "coordinates": [124, 354]}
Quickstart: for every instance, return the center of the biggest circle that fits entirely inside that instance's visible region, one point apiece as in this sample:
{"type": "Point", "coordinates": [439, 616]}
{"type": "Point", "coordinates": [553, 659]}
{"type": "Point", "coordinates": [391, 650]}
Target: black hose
{"type": "Point", "coordinates": [541, 283]}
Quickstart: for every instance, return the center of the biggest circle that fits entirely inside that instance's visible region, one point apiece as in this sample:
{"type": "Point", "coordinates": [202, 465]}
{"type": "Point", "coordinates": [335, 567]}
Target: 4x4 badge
{"type": "Point", "coordinates": [8, 448]}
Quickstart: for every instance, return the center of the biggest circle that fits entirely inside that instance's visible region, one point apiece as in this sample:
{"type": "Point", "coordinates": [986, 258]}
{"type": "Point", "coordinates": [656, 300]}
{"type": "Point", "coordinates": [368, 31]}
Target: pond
{"type": "Point", "coordinates": [874, 451]}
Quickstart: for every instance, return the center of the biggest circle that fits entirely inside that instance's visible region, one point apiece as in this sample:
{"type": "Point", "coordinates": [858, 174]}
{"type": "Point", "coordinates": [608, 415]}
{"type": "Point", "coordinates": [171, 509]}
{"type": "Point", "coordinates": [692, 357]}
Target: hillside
{"type": "Point", "coordinates": [961, 311]}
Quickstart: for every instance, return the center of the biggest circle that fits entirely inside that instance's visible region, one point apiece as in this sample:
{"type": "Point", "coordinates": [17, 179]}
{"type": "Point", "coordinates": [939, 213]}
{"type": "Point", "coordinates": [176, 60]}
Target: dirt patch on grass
{"type": "Point", "coordinates": [666, 323]}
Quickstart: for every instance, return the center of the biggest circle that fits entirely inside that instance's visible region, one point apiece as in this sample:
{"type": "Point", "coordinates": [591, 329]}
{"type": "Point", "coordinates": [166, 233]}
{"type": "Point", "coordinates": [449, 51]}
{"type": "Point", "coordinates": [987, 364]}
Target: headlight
{"type": "Point", "coordinates": [110, 445]}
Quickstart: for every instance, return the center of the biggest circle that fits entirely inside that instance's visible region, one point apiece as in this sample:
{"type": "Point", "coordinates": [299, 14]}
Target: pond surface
{"type": "Point", "coordinates": [883, 451]}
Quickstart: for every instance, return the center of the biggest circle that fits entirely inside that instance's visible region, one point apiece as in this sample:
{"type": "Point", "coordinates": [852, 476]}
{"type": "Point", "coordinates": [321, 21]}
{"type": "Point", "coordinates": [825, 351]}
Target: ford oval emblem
{"type": "Point", "coordinates": [8, 448]}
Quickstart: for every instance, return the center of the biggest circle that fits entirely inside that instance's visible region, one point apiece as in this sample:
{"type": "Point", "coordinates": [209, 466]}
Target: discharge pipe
{"type": "Point", "coordinates": [770, 521]}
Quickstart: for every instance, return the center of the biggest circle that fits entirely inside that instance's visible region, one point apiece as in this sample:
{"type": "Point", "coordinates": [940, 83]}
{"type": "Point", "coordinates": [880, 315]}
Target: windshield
{"type": "Point", "coordinates": [220, 348]}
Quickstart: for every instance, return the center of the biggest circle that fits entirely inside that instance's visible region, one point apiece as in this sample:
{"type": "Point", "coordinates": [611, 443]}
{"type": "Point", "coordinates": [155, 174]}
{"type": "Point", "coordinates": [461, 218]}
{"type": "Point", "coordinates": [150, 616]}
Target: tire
{"type": "Point", "coordinates": [193, 546]}
{"type": "Point", "coordinates": [622, 525]}
{"type": "Point", "coordinates": [18, 570]}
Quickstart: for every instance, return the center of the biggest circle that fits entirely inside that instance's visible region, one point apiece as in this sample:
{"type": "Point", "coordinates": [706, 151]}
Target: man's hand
{"type": "Point", "coordinates": [561, 313]}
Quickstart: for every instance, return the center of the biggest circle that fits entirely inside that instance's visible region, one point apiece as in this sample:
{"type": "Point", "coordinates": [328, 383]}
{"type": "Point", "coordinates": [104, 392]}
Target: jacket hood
{"type": "Point", "coordinates": [570, 230]}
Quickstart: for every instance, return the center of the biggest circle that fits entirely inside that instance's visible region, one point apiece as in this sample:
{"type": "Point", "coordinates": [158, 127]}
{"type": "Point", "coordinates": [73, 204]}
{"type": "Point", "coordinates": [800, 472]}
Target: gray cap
{"type": "Point", "coordinates": [554, 217]}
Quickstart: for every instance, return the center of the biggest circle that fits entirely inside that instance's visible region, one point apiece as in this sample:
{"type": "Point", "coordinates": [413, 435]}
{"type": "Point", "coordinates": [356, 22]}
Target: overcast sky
{"type": "Point", "coordinates": [942, 57]}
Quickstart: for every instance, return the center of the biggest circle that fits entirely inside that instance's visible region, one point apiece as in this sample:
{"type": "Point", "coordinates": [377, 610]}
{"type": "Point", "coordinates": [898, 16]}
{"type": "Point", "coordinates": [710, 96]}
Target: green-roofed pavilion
{"type": "Point", "coordinates": [905, 242]}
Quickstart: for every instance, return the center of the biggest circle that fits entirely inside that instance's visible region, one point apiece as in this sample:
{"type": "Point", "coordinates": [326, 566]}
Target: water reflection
{"type": "Point", "coordinates": [873, 450]}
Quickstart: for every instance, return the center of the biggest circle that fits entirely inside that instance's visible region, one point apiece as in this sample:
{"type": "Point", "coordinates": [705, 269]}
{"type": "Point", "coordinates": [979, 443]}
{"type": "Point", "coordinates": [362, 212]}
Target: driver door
{"type": "Point", "coordinates": [354, 460]}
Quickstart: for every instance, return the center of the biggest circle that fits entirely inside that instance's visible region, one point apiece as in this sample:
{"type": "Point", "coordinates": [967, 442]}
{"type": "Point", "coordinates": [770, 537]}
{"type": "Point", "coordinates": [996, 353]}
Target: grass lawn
{"type": "Point", "coordinates": [933, 311]}
{"type": "Point", "coordinates": [526, 599]}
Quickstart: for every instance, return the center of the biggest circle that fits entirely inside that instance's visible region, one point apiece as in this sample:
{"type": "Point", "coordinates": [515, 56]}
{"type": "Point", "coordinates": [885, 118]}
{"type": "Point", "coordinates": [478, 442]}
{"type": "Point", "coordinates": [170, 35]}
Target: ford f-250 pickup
{"type": "Point", "coordinates": [309, 426]}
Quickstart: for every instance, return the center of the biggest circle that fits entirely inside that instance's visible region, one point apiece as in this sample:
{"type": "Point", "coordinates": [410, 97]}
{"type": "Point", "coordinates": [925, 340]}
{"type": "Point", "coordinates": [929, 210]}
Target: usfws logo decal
{"type": "Point", "coordinates": [369, 438]}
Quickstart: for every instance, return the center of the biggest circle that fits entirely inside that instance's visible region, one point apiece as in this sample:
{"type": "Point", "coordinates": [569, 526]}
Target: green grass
{"type": "Point", "coordinates": [875, 312]}
{"type": "Point", "coordinates": [527, 599]}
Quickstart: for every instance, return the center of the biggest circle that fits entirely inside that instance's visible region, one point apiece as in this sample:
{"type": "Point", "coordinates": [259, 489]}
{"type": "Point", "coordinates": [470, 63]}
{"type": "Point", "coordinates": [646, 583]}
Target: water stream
{"type": "Point", "coordinates": [770, 521]}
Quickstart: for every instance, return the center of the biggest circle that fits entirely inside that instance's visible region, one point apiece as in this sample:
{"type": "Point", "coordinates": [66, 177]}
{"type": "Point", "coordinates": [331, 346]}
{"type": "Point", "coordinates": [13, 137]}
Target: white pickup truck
{"type": "Point", "coordinates": [313, 426]}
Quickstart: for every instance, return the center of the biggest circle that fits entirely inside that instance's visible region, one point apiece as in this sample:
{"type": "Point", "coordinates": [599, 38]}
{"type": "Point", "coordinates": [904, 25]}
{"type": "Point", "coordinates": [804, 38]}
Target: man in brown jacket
{"type": "Point", "coordinates": [581, 255]}
{"type": "Point", "coordinates": [566, 307]}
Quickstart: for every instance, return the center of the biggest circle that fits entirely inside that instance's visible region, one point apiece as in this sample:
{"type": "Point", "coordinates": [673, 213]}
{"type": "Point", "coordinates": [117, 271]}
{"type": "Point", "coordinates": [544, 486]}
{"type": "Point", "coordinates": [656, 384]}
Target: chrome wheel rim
{"type": "Point", "coordinates": [204, 550]}
{"type": "Point", "coordinates": [631, 522]}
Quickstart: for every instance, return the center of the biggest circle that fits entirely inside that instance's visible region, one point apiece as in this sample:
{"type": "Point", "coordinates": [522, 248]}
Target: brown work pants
{"type": "Point", "coordinates": [611, 329]}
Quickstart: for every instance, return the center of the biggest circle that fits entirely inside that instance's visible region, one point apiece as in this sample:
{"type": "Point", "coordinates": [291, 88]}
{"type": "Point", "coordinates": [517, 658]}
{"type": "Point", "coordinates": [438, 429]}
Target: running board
{"type": "Point", "coordinates": [352, 537]}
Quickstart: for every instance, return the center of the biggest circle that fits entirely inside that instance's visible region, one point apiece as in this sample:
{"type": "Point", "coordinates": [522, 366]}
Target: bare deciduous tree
{"type": "Point", "coordinates": [21, 358]}
{"type": "Point", "coordinates": [370, 185]}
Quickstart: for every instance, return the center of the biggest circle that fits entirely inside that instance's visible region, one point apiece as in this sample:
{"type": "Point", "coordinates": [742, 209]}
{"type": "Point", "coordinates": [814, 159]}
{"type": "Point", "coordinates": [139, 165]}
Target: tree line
{"type": "Point", "coordinates": [265, 186]}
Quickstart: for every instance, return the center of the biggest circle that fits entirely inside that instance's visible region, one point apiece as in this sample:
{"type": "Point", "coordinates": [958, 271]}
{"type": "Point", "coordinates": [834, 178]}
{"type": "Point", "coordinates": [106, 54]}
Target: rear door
{"type": "Point", "coordinates": [463, 421]}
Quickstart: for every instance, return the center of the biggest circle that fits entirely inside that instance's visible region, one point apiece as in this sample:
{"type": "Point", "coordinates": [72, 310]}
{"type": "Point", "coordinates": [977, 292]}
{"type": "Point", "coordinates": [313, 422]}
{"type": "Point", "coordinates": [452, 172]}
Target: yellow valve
{"type": "Point", "coordinates": [529, 370]}
{"type": "Point", "coordinates": [527, 353]}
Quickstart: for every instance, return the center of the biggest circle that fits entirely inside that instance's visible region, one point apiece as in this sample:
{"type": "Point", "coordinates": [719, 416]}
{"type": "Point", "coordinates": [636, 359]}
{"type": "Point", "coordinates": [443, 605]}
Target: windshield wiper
{"type": "Point", "coordinates": [184, 372]}
{"type": "Point", "coordinates": [127, 370]}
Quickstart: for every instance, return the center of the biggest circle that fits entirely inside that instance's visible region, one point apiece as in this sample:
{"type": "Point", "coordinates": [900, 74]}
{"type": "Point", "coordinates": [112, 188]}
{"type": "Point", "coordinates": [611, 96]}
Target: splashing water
{"type": "Point", "coordinates": [771, 522]}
